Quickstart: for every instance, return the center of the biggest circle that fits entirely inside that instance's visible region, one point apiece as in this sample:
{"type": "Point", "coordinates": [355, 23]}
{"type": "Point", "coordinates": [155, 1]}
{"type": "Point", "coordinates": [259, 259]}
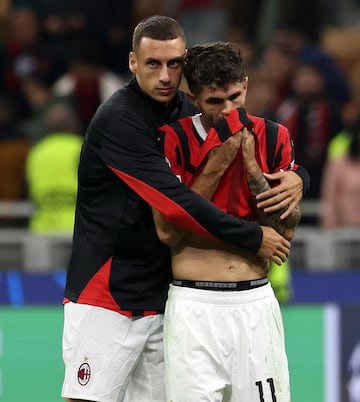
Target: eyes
{"type": "Point", "coordinates": [175, 63]}
{"type": "Point", "coordinates": [215, 101]}
{"type": "Point", "coordinates": [220, 101]}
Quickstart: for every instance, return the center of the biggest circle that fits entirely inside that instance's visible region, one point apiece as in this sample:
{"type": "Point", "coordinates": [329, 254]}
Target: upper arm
{"type": "Point", "coordinates": [168, 234]}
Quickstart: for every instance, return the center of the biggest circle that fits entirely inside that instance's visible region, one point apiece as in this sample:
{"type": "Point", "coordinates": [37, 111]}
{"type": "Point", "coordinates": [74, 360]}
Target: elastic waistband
{"type": "Point", "coordinates": [222, 286]}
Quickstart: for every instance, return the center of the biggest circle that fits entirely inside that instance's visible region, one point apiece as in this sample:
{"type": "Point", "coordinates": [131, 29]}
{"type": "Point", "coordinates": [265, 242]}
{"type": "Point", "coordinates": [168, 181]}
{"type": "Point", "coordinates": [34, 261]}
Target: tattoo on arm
{"type": "Point", "coordinates": [258, 184]}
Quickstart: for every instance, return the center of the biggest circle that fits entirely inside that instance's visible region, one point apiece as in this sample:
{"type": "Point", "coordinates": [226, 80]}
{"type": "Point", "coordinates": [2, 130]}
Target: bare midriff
{"type": "Point", "coordinates": [200, 259]}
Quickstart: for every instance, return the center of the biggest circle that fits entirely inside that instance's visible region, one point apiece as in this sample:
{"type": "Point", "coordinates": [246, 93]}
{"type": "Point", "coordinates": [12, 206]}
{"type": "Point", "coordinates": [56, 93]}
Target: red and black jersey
{"type": "Point", "coordinates": [117, 260]}
{"type": "Point", "coordinates": [186, 151]}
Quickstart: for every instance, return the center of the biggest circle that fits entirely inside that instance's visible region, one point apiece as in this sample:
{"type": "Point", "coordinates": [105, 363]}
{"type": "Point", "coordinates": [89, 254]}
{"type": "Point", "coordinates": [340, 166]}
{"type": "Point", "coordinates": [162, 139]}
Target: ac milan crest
{"type": "Point", "coordinates": [84, 373]}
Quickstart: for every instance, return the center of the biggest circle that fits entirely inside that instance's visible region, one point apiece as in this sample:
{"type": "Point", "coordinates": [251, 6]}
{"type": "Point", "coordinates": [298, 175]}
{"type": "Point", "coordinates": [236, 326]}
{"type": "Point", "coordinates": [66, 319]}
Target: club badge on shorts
{"type": "Point", "coordinates": [84, 374]}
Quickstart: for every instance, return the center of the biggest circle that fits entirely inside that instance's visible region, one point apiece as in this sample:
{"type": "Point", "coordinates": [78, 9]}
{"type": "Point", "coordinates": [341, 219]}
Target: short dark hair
{"type": "Point", "coordinates": [219, 63]}
{"type": "Point", "coordinates": [158, 27]}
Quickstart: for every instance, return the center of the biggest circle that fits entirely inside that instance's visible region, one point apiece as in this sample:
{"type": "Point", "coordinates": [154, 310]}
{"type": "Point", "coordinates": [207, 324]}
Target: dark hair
{"type": "Point", "coordinates": [158, 27]}
{"type": "Point", "coordinates": [219, 63]}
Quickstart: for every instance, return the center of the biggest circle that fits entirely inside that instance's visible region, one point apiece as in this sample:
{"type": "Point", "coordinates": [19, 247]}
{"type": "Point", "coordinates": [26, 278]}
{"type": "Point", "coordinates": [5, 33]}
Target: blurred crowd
{"type": "Point", "coordinates": [59, 59]}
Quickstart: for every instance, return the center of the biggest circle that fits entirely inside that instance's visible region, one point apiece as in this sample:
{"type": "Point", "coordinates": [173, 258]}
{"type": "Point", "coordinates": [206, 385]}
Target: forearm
{"type": "Point", "coordinates": [205, 185]}
{"type": "Point", "coordinates": [219, 159]}
{"type": "Point", "coordinates": [167, 233]}
{"type": "Point", "coordinates": [258, 184]}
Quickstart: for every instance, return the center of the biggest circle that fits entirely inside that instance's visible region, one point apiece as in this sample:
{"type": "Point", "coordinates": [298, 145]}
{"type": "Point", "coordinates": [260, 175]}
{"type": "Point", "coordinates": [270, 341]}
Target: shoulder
{"type": "Point", "coordinates": [178, 124]}
{"type": "Point", "coordinates": [271, 126]}
{"type": "Point", "coordinates": [124, 106]}
{"type": "Point", "coordinates": [266, 126]}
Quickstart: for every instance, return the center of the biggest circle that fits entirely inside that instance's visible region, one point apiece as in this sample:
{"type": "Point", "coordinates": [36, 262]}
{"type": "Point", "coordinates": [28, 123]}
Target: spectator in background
{"type": "Point", "coordinates": [339, 144]}
{"type": "Point", "coordinates": [37, 90]}
{"type": "Point", "coordinates": [23, 53]}
{"type": "Point", "coordinates": [14, 148]}
{"type": "Point", "coordinates": [61, 24]}
{"type": "Point", "coordinates": [5, 6]}
{"type": "Point", "coordinates": [312, 118]}
{"type": "Point", "coordinates": [9, 129]}
{"type": "Point", "coordinates": [108, 22]}
{"type": "Point", "coordinates": [87, 82]}
{"type": "Point", "coordinates": [203, 20]}
{"type": "Point", "coordinates": [340, 193]}
{"type": "Point", "coordinates": [260, 95]}
{"type": "Point", "coordinates": [114, 27]}
{"type": "Point", "coordinates": [307, 50]}
{"type": "Point", "coordinates": [278, 64]}
{"type": "Point", "coordinates": [51, 172]}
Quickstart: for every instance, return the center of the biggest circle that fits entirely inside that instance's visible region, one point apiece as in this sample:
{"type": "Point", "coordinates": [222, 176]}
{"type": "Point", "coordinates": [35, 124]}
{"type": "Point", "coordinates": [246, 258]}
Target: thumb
{"type": "Point", "coordinates": [273, 176]}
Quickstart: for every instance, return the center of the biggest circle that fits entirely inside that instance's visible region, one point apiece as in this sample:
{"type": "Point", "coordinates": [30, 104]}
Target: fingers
{"type": "Point", "coordinates": [268, 194]}
{"type": "Point", "coordinates": [274, 246]}
{"type": "Point", "coordinates": [276, 202]}
{"type": "Point", "coordinates": [289, 210]}
{"type": "Point", "coordinates": [279, 256]}
{"type": "Point", "coordinates": [277, 260]}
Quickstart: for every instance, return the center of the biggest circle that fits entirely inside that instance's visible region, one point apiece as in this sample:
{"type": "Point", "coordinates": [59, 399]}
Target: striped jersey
{"type": "Point", "coordinates": [186, 146]}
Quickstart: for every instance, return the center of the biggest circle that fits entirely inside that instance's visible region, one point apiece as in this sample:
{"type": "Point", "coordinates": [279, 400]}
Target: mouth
{"type": "Point", "coordinates": [165, 91]}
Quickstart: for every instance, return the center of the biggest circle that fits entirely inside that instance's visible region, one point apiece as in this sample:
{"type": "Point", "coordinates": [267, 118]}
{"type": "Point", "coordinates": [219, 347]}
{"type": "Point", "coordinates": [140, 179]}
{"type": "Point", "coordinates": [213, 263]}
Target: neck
{"type": "Point", "coordinates": [205, 123]}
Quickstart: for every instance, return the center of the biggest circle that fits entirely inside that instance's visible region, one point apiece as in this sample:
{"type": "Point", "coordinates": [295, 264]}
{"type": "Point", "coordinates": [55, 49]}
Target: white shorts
{"type": "Point", "coordinates": [224, 346]}
{"type": "Point", "coordinates": [107, 354]}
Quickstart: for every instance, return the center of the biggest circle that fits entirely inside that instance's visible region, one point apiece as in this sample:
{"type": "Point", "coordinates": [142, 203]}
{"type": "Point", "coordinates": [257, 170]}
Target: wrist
{"type": "Point", "coordinates": [252, 170]}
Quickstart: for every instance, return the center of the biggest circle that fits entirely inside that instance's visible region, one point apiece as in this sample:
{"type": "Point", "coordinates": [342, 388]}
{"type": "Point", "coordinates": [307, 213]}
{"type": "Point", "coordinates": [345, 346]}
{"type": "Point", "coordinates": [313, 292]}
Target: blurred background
{"type": "Point", "coordinates": [59, 59]}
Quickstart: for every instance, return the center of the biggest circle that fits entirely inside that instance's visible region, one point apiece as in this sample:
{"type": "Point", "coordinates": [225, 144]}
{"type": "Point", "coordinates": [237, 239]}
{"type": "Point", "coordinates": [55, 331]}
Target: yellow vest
{"type": "Point", "coordinates": [51, 171]}
{"type": "Point", "coordinates": [339, 145]}
{"type": "Point", "coordinates": [280, 279]}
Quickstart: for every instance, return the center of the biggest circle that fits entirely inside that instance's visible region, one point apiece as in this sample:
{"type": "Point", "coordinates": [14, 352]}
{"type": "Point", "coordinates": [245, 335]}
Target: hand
{"type": "Point", "coordinates": [221, 157]}
{"type": "Point", "coordinates": [274, 246]}
{"type": "Point", "coordinates": [287, 194]}
{"type": "Point", "coordinates": [248, 148]}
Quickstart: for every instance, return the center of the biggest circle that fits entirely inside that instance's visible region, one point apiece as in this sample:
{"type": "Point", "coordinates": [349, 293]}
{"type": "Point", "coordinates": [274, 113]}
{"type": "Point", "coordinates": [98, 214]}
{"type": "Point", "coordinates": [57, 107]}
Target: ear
{"type": "Point", "coordinates": [246, 83]}
{"type": "Point", "coordinates": [132, 62]}
{"type": "Point", "coordinates": [192, 97]}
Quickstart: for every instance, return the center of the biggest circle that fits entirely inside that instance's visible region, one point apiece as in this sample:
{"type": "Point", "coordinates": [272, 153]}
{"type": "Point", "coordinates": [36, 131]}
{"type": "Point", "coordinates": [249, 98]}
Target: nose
{"type": "Point", "coordinates": [164, 74]}
{"type": "Point", "coordinates": [228, 106]}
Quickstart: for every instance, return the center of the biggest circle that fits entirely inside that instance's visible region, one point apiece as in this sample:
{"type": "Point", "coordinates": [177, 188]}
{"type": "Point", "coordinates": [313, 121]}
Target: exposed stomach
{"type": "Point", "coordinates": [197, 258]}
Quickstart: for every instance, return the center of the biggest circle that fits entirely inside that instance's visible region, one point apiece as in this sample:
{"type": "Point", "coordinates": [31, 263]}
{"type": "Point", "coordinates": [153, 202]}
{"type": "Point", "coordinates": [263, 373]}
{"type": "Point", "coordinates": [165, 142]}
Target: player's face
{"type": "Point", "coordinates": [157, 65]}
{"type": "Point", "coordinates": [216, 102]}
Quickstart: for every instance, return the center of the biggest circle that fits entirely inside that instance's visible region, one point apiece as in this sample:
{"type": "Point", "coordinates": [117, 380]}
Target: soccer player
{"type": "Point", "coordinates": [119, 271]}
{"type": "Point", "coordinates": [223, 332]}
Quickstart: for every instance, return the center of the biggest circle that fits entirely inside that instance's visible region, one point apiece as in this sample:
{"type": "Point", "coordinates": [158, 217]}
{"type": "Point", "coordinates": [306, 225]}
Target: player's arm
{"type": "Point", "coordinates": [287, 195]}
{"type": "Point", "coordinates": [136, 159]}
{"type": "Point", "coordinates": [293, 181]}
{"type": "Point", "coordinates": [258, 184]}
{"type": "Point", "coordinates": [292, 185]}
{"type": "Point", "coordinates": [205, 184]}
